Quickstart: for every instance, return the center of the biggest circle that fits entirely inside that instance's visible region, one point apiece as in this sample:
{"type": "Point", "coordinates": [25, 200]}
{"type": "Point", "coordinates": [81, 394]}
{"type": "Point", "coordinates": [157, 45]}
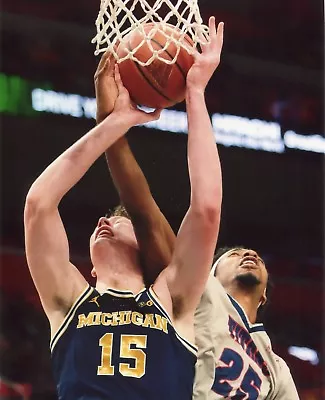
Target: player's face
{"type": "Point", "coordinates": [243, 266]}
{"type": "Point", "coordinates": [112, 233]}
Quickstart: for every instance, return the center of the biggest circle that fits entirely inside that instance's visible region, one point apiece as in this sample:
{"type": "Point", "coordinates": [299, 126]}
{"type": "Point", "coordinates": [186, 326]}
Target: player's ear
{"type": "Point", "coordinates": [93, 273]}
{"type": "Point", "coordinates": [263, 299]}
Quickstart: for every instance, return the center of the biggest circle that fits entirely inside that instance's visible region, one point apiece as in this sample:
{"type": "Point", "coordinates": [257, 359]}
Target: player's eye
{"type": "Point", "coordinates": [235, 253]}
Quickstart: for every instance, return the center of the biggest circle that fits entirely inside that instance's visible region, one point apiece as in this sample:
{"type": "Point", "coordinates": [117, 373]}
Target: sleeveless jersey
{"type": "Point", "coordinates": [118, 346]}
{"type": "Point", "coordinates": [235, 357]}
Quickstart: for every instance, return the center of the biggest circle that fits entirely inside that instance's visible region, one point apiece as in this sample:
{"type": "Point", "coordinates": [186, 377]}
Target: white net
{"type": "Point", "coordinates": [174, 19]}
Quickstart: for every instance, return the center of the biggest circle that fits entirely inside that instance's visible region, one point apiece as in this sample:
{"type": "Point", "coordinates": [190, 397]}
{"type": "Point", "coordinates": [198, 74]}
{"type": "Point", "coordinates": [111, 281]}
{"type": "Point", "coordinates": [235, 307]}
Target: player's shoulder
{"type": "Point", "coordinates": [282, 367]}
{"type": "Point", "coordinates": [212, 294]}
{"type": "Point", "coordinates": [213, 288]}
{"type": "Point", "coordinates": [286, 386]}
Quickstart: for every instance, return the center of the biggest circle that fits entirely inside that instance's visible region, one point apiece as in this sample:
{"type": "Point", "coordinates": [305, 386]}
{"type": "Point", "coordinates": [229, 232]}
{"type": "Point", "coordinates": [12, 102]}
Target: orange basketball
{"type": "Point", "coordinates": [158, 85]}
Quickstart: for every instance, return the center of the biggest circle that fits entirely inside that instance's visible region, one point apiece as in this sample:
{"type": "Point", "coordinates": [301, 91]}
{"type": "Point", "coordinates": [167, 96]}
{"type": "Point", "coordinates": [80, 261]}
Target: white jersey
{"type": "Point", "coordinates": [235, 358]}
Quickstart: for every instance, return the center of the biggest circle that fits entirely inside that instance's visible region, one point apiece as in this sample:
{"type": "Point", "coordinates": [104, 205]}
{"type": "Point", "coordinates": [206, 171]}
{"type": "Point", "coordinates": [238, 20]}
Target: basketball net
{"type": "Point", "coordinates": [117, 18]}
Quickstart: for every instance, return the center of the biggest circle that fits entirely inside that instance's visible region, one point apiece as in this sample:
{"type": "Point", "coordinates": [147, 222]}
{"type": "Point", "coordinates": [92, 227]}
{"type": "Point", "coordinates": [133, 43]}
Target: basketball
{"type": "Point", "coordinates": [158, 85]}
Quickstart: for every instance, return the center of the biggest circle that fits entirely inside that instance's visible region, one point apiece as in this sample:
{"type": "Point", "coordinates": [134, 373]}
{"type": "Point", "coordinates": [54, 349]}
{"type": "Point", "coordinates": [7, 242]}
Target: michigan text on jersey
{"type": "Point", "coordinates": [154, 321]}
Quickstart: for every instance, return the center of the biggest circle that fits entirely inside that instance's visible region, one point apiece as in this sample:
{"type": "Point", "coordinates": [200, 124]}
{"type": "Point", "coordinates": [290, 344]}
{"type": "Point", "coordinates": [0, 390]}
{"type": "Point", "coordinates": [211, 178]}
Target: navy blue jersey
{"type": "Point", "coordinates": [117, 346]}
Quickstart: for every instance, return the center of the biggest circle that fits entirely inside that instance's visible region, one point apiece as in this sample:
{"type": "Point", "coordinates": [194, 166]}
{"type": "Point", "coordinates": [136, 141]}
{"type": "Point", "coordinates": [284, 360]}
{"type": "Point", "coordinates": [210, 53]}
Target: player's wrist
{"type": "Point", "coordinates": [194, 91]}
{"type": "Point", "coordinates": [120, 119]}
{"type": "Point", "coordinates": [101, 116]}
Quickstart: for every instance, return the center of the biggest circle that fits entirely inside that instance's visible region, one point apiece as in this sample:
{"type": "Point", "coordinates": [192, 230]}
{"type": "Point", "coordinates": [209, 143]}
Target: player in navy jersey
{"type": "Point", "coordinates": [121, 340]}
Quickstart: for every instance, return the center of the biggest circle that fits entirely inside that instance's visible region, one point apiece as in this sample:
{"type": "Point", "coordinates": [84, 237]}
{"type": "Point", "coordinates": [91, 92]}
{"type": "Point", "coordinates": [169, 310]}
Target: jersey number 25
{"type": "Point", "coordinates": [250, 386]}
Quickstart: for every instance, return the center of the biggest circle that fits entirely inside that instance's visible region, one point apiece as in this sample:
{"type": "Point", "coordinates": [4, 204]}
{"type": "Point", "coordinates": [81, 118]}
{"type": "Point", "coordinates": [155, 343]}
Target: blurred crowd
{"type": "Point", "coordinates": [69, 66]}
{"type": "Point", "coordinates": [271, 69]}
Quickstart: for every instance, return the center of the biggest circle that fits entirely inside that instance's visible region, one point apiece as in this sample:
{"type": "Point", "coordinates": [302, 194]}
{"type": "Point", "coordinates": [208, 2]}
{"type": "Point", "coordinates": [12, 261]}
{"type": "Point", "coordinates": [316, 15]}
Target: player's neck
{"type": "Point", "coordinates": [120, 280]}
{"type": "Point", "coordinates": [121, 270]}
{"type": "Point", "coordinates": [248, 303]}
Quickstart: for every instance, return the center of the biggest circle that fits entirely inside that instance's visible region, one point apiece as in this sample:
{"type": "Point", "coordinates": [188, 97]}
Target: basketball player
{"type": "Point", "coordinates": [235, 357]}
{"type": "Point", "coordinates": [226, 317]}
{"type": "Point", "coordinates": [121, 340]}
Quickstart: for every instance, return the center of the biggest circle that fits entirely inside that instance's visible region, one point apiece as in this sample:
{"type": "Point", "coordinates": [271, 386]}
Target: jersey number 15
{"type": "Point", "coordinates": [137, 342]}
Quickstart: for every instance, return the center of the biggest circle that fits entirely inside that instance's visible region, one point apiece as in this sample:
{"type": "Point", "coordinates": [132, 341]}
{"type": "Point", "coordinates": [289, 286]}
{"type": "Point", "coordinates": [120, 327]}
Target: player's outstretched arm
{"type": "Point", "coordinates": [187, 274]}
{"type": "Point", "coordinates": [47, 250]}
{"type": "Point", "coordinates": [155, 237]}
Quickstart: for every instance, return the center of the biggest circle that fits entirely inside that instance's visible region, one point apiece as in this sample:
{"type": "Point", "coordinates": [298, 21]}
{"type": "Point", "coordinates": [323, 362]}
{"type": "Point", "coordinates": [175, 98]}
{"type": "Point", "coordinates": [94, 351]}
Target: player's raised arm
{"type": "Point", "coordinates": [196, 240]}
{"type": "Point", "coordinates": [154, 235]}
{"type": "Point", "coordinates": [57, 281]}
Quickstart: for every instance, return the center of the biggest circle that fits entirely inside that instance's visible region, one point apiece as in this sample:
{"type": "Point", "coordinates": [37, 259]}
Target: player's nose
{"type": "Point", "coordinates": [103, 221]}
{"type": "Point", "coordinates": [250, 253]}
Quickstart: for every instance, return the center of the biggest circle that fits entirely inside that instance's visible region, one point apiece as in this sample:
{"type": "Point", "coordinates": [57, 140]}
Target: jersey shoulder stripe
{"type": "Point", "coordinates": [250, 328]}
{"type": "Point", "coordinates": [154, 298]}
{"type": "Point", "coordinates": [85, 294]}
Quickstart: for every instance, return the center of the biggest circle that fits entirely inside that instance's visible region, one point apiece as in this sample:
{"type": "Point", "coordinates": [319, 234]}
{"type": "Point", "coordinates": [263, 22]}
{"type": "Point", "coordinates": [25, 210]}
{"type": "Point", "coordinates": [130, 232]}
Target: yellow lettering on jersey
{"type": "Point", "coordinates": [106, 319]}
{"type": "Point", "coordinates": [96, 320]}
{"type": "Point", "coordinates": [93, 318]}
{"type": "Point", "coordinates": [115, 318]}
{"type": "Point", "coordinates": [152, 321]}
{"type": "Point", "coordinates": [149, 322]}
{"type": "Point", "coordinates": [161, 323]}
{"type": "Point", "coordinates": [125, 317]}
{"type": "Point", "coordinates": [137, 318]}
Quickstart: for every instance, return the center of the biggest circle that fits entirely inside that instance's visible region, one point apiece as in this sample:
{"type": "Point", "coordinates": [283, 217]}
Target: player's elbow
{"type": "Point", "coordinates": [208, 205]}
{"type": "Point", "coordinates": [207, 215]}
{"type": "Point", "coordinates": [35, 205]}
{"type": "Point", "coordinates": [212, 216]}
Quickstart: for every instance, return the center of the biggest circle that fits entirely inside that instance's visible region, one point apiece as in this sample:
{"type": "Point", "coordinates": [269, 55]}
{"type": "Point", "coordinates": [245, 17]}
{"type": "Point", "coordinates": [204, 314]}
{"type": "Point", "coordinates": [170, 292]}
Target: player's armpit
{"type": "Point", "coordinates": [189, 269]}
{"type": "Point", "coordinates": [57, 281]}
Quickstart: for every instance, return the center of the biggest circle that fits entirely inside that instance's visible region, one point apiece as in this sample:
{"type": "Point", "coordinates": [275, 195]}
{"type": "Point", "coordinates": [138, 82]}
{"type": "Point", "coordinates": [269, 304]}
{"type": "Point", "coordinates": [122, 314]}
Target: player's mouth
{"type": "Point", "coordinates": [104, 232]}
{"type": "Point", "coordinates": [248, 262]}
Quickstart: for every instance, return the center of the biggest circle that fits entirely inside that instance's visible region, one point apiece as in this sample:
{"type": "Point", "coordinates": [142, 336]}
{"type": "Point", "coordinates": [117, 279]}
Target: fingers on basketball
{"type": "Point", "coordinates": [106, 64]}
{"type": "Point", "coordinates": [101, 63]}
{"type": "Point", "coordinates": [118, 80]}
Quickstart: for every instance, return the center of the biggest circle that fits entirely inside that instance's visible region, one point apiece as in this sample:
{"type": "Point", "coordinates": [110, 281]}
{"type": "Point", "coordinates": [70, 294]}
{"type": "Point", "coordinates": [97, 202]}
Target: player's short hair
{"type": "Point", "coordinates": [119, 211]}
{"type": "Point", "coordinates": [269, 285]}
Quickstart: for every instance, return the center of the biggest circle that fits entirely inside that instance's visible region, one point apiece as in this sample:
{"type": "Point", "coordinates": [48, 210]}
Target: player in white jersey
{"type": "Point", "coordinates": [235, 359]}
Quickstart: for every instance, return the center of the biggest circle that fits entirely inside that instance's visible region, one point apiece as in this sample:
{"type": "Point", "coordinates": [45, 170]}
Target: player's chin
{"type": "Point", "coordinates": [102, 245]}
{"type": "Point", "coordinates": [248, 278]}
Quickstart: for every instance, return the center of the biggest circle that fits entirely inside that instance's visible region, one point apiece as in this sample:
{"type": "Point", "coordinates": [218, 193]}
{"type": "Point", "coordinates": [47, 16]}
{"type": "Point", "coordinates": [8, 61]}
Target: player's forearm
{"type": "Point", "coordinates": [203, 158]}
{"type": "Point", "coordinates": [128, 178]}
{"type": "Point", "coordinates": [154, 234]}
{"type": "Point", "coordinates": [64, 172]}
